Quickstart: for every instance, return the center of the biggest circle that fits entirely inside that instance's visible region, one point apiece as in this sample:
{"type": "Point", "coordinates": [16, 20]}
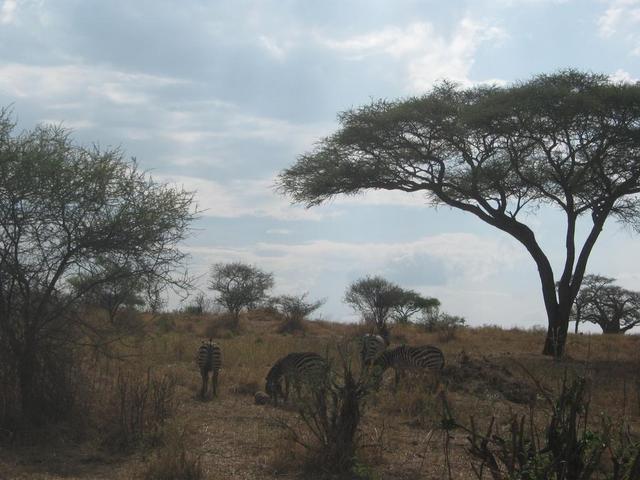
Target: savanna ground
{"type": "Point", "coordinates": [490, 373]}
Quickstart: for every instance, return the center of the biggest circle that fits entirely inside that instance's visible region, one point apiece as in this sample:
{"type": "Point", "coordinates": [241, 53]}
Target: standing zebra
{"type": "Point", "coordinates": [297, 369]}
{"type": "Point", "coordinates": [404, 357]}
{"type": "Point", "coordinates": [209, 360]}
{"type": "Point", "coordinates": [371, 346]}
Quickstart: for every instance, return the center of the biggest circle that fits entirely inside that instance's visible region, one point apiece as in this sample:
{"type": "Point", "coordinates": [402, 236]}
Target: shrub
{"type": "Point", "coordinates": [444, 325]}
{"type": "Point", "coordinates": [330, 418]}
{"type": "Point", "coordinates": [565, 449]}
{"type": "Point", "coordinates": [139, 409]}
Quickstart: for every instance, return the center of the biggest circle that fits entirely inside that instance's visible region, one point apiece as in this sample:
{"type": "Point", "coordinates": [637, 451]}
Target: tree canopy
{"type": "Point", "coordinates": [239, 286]}
{"type": "Point", "coordinates": [375, 299]}
{"type": "Point", "coordinates": [569, 140]}
{"type": "Point", "coordinates": [68, 211]}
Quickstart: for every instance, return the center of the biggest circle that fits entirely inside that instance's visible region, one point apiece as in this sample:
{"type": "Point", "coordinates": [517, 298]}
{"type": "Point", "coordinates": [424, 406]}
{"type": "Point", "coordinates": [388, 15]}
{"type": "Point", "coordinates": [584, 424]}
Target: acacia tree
{"type": "Point", "coordinates": [569, 140]}
{"type": "Point", "coordinates": [63, 210]}
{"type": "Point", "coordinates": [375, 299]}
{"type": "Point", "coordinates": [239, 286]}
{"type": "Point", "coordinates": [600, 301]}
{"type": "Point", "coordinates": [411, 303]}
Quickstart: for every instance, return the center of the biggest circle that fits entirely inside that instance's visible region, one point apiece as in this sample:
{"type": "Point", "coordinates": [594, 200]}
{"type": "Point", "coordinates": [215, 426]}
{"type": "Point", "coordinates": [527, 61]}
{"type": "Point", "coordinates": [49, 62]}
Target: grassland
{"type": "Point", "coordinates": [490, 373]}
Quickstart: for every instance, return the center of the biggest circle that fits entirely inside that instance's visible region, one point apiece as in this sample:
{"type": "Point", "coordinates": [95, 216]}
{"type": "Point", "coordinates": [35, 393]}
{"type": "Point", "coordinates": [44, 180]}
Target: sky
{"type": "Point", "coordinates": [219, 97]}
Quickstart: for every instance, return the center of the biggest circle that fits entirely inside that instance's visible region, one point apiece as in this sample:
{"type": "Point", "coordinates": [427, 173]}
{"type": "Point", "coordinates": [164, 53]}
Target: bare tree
{"type": "Point", "coordinates": [239, 286]}
{"type": "Point", "coordinates": [567, 140]}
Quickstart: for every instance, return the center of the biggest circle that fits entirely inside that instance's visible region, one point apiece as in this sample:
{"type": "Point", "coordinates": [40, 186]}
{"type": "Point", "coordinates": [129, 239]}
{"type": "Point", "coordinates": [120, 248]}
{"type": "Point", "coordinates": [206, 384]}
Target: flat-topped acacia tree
{"type": "Point", "coordinates": [569, 140]}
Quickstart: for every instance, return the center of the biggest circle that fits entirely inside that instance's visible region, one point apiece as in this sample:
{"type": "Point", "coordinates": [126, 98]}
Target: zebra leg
{"type": "Point", "coordinates": [286, 388]}
{"type": "Point", "coordinates": [214, 383]}
{"type": "Point", "coordinates": [205, 380]}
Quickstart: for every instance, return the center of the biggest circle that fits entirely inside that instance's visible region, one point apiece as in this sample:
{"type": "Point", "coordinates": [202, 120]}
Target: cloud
{"type": "Point", "coordinates": [7, 11]}
{"type": "Point", "coordinates": [622, 17]}
{"type": "Point", "coordinates": [466, 271]}
{"type": "Point", "coordinates": [622, 76]}
{"type": "Point", "coordinates": [463, 256]}
{"type": "Point", "coordinates": [275, 49]}
{"type": "Point", "coordinates": [240, 198]}
{"type": "Point", "coordinates": [428, 56]}
{"type": "Point", "coordinates": [72, 81]}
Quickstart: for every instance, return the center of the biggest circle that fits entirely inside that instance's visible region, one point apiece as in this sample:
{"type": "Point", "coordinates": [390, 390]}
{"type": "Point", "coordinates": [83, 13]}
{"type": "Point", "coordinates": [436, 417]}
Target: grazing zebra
{"type": "Point", "coordinates": [370, 347]}
{"type": "Point", "coordinates": [404, 357]}
{"type": "Point", "coordinates": [297, 369]}
{"type": "Point", "coordinates": [209, 360]}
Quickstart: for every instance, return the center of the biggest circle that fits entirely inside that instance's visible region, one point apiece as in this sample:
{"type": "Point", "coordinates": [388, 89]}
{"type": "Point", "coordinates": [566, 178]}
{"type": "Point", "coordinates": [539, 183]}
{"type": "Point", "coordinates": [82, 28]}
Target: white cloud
{"type": "Point", "coordinates": [273, 48]}
{"type": "Point", "coordinates": [429, 57]}
{"type": "Point", "coordinates": [7, 11]}
{"type": "Point", "coordinates": [622, 76]}
{"type": "Point", "coordinates": [65, 83]}
{"type": "Point", "coordinates": [622, 17]}
{"type": "Point", "coordinates": [239, 198]}
{"type": "Point", "coordinates": [464, 255]}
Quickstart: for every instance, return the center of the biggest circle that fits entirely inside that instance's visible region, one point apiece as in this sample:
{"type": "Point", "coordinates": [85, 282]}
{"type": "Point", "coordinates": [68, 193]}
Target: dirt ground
{"type": "Point", "coordinates": [235, 439]}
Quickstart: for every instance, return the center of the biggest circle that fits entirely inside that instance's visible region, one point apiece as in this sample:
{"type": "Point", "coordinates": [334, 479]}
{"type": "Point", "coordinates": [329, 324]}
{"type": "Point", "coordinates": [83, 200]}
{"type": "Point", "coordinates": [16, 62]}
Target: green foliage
{"type": "Point", "coordinates": [375, 299]}
{"type": "Point", "coordinates": [67, 211]}
{"type": "Point", "coordinates": [412, 303]}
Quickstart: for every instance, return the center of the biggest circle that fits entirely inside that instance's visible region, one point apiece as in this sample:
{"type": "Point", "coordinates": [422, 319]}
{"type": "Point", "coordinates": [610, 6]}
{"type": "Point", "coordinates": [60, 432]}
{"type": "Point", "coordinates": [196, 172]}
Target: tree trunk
{"type": "Point", "coordinates": [28, 404]}
{"type": "Point", "coordinates": [556, 334]}
{"type": "Point", "coordinates": [611, 328]}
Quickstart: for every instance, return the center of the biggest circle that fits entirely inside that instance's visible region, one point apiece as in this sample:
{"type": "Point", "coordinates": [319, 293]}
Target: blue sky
{"type": "Point", "coordinates": [221, 96]}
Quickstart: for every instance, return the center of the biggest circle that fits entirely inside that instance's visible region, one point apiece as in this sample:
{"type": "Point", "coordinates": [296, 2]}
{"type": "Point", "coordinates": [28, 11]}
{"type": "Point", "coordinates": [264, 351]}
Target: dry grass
{"type": "Point", "coordinates": [230, 437]}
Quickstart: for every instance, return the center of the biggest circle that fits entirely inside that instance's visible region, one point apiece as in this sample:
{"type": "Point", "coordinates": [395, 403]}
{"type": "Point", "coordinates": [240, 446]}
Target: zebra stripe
{"type": "Point", "coordinates": [371, 346]}
{"type": "Point", "coordinates": [424, 357]}
{"type": "Point", "coordinates": [297, 369]}
{"type": "Point", "coordinates": [209, 360]}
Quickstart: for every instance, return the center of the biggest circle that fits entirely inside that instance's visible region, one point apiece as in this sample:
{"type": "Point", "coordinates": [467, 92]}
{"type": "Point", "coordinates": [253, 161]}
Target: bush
{"type": "Point", "coordinates": [444, 325]}
{"type": "Point", "coordinates": [139, 408]}
{"type": "Point", "coordinates": [566, 449]}
{"type": "Point", "coordinates": [330, 418]}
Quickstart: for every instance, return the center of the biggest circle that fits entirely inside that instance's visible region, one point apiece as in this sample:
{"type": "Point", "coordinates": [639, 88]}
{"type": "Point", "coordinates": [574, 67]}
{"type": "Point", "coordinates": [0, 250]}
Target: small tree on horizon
{"type": "Point", "coordinates": [295, 309]}
{"type": "Point", "coordinates": [239, 286]}
{"type": "Point", "coordinates": [410, 304]}
{"type": "Point", "coordinates": [375, 299]}
{"type": "Point", "coordinates": [600, 301]}
{"type": "Point", "coordinates": [569, 140]}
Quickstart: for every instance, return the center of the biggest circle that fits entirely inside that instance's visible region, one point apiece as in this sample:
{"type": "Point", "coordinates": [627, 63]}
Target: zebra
{"type": "Point", "coordinates": [209, 360]}
{"type": "Point", "coordinates": [297, 369]}
{"type": "Point", "coordinates": [404, 357]}
{"type": "Point", "coordinates": [370, 347]}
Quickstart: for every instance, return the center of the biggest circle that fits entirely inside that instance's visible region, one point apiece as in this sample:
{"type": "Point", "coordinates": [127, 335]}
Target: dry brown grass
{"type": "Point", "coordinates": [233, 438]}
